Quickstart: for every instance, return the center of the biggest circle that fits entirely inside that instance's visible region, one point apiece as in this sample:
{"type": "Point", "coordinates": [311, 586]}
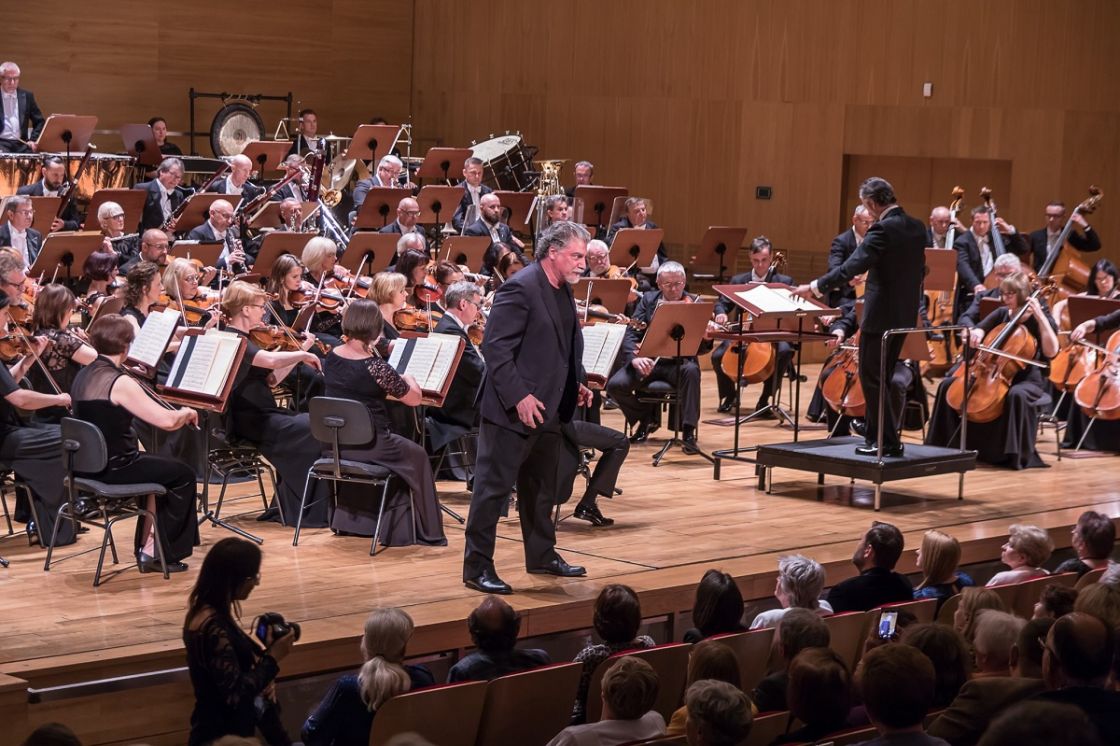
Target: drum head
{"type": "Point", "coordinates": [233, 127]}
{"type": "Point", "coordinates": [495, 147]}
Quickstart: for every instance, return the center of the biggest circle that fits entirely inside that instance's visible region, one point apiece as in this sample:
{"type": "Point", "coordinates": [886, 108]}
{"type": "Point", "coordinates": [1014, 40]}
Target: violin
{"type": "Point", "coordinates": [275, 339]}
{"type": "Point", "coordinates": [324, 301]}
{"type": "Point", "coordinates": [476, 331]}
{"type": "Point", "coordinates": [1098, 394]}
{"type": "Point", "coordinates": [412, 320]}
{"type": "Point", "coordinates": [840, 386]}
{"type": "Point", "coordinates": [15, 343]}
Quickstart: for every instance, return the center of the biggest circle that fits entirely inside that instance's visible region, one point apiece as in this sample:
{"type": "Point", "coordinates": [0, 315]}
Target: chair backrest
{"type": "Point", "coordinates": [1028, 592]}
{"type": "Point", "coordinates": [340, 422]}
{"type": "Point", "coordinates": [447, 715]}
{"type": "Point", "coordinates": [1089, 578]}
{"type": "Point", "coordinates": [83, 447]}
{"type": "Point", "coordinates": [948, 610]}
{"type": "Point", "coordinates": [529, 706]}
{"type": "Point", "coordinates": [855, 735]}
{"type": "Point", "coordinates": [923, 609]}
{"type": "Point", "coordinates": [847, 634]}
{"type": "Point", "coordinates": [1007, 594]}
{"type": "Point", "coordinates": [752, 651]}
{"type": "Point", "coordinates": [765, 728]}
{"type": "Point", "coordinates": [671, 663]}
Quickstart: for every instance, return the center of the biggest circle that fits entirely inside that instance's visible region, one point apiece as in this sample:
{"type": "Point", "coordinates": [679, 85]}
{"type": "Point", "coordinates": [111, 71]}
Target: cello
{"type": "Point", "coordinates": [1098, 394]}
{"type": "Point", "coordinates": [841, 387]}
{"type": "Point", "coordinates": [758, 359]}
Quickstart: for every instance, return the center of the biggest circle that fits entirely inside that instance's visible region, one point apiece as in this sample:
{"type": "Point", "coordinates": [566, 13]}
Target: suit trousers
{"type": "Point", "coordinates": [504, 457]}
{"type": "Point", "coordinates": [14, 146]}
{"type": "Point", "coordinates": [613, 448]}
{"type": "Point", "coordinates": [870, 359]}
{"type": "Point", "coordinates": [727, 386]}
{"type": "Point", "coordinates": [624, 385]}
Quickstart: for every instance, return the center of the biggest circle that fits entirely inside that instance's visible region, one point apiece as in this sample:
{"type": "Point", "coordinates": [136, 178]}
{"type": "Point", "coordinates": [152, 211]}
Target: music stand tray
{"type": "Point", "coordinates": [197, 210]}
{"type": "Point", "coordinates": [515, 209]}
{"type": "Point", "coordinates": [1085, 307]}
{"type": "Point", "coordinates": [597, 202]}
{"type": "Point", "coordinates": [635, 247]}
{"type": "Point", "coordinates": [372, 142]}
{"type": "Point", "coordinates": [59, 128]}
{"type": "Point", "coordinates": [378, 249]}
{"type": "Point", "coordinates": [45, 210]}
{"type": "Point", "coordinates": [380, 207]}
{"type": "Point", "coordinates": [941, 265]}
{"type": "Point", "coordinates": [140, 142]}
{"type": "Point", "coordinates": [275, 245]}
{"type": "Point", "coordinates": [444, 163]}
{"type": "Point", "coordinates": [719, 242]}
{"type": "Point", "coordinates": [466, 250]}
{"type": "Point", "coordinates": [785, 306]}
{"type": "Point", "coordinates": [438, 202]}
{"type": "Point", "coordinates": [130, 200]}
{"type": "Point", "coordinates": [65, 254]}
{"type": "Point", "coordinates": [610, 294]}
{"type": "Point", "coordinates": [206, 252]}
{"type": "Point", "coordinates": [266, 155]}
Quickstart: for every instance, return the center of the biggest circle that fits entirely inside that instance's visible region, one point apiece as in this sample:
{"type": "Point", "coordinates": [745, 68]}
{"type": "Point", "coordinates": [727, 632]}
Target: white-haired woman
{"type": "Point", "coordinates": [799, 585]}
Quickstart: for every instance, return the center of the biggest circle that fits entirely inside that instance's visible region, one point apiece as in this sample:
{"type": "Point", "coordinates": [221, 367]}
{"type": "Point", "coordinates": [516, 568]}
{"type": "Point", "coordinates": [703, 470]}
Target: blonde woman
{"type": "Point", "coordinates": [181, 283]}
{"type": "Point", "coordinates": [320, 262]}
{"type": "Point", "coordinates": [973, 601]}
{"type": "Point", "coordinates": [389, 290]}
{"type": "Point", "coordinates": [345, 714]}
{"type": "Point", "coordinates": [938, 559]}
{"type": "Point", "coordinates": [1025, 551]}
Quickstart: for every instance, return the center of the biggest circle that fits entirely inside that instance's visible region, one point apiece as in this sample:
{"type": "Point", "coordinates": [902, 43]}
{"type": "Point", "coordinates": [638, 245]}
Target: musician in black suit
{"type": "Point", "coordinates": [585, 176]}
{"type": "Point", "coordinates": [237, 181]}
{"type": "Point", "coordinates": [940, 218]}
{"type": "Point", "coordinates": [473, 189]}
{"type": "Point", "coordinates": [534, 381]}
{"type": "Point", "coordinates": [408, 213]}
{"type": "Point", "coordinates": [490, 223]}
{"type": "Point", "coordinates": [219, 228]}
{"type": "Point", "coordinates": [893, 256]}
{"type": "Point", "coordinates": [54, 171]}
{"type": "Point", "coordinates": [17, 232]}
{"type": "Point", "coordinates": [294, 189]}
{"type": "Point", "coordinates": [153, 248]}
{"type": "Point", "coordinates": [762, 270]}
{"type": "Point", "coordinates": [164, 195]}
{"type": "Point", "coordinates": [976, 255]}
{"type": "Point", "coordinates": [637, 214]}
{"type": "Point", "coordinates": [842, 247]}
{"type": "Point", "coordinates": [305, 140]}
{"type": "Point", "coordinates": [459, 413]}
{"type": "Point", "coordinates": [22, 122]}
{"type": "Point", "coordinates": [387, 175]}
{"type": "Point", "coordinates": [1043, 239]}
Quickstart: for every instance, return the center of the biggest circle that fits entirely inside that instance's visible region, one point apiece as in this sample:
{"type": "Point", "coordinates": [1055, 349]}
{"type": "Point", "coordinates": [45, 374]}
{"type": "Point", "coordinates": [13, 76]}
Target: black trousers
{"type": "Point", "coordinates": [34, 453]}
{"type": "Point", "coordinates": [727, 386]}
{"type": "Point", "coordinates": [613, 448]}
{"type": "Point", "coordinates": [505, 457]}
{"type": "Point", "coordinates": [870, 359]}
{"type": "Point", "coordinates": [175, 511]}
{"type": "Point", "coordinates": [623, 388]}
{"type": "Point", "coordinates": [14, 146]}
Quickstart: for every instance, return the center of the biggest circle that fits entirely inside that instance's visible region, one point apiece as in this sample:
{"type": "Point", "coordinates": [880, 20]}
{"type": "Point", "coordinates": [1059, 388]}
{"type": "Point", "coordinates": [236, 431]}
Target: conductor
{"type": "Point", "coordinates": [893, 255]}
{"type": "Point", "coordinates": [534, 381]}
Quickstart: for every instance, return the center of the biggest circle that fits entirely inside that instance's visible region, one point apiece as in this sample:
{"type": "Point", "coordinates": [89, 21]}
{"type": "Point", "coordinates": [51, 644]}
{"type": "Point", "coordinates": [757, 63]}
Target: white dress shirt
{"type": "Point", "coordinates": [11, 117]}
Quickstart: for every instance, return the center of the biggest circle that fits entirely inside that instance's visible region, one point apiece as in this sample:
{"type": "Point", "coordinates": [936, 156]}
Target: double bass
{"type": "Point", "coordinates": [943, 351]}
{"type": "Point", "coordinates": [1075, 273]}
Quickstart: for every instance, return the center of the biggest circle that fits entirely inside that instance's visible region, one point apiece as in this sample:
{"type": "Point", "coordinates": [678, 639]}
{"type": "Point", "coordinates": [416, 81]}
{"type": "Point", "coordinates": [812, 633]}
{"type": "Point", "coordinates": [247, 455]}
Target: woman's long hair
{"type": "Point", "coordinates": [228, 565]}
{"type": "Point", "coordinates": [383, 643]}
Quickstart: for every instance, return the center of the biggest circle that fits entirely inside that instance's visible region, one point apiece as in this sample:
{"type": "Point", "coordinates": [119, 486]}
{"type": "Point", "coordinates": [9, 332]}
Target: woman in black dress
{"type": "Point", "coordinates": [284, 281]}
{"type": "Point", "coordinates": [1102, 435]}
{"type": "Point", "coordinates": [354, 371]}
{"type": "Point", "coordinates": [320, 260]}
{"type": "Point", "coordinates": [109, 398]}
{"type": "Point", "coordinates": [1009, 440]}
{"type": "Point", "coordinates": [67, 351]}
{"type": "Point", "coordinates": [231, 674]}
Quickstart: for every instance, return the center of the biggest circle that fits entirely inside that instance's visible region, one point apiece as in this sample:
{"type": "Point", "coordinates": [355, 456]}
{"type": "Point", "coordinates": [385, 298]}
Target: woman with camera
{"type": "Point", "coordinates": [232, 675]}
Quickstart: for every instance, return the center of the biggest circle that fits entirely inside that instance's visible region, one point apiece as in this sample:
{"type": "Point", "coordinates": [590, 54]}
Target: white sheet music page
{"type": "Point", "coordinates": [601, 344]}
{"type": "Point", "coordinates": [204, 363]}
{"type": "Point", "coordinates": [150, 344]}
{"type": "Point", "coordinates": [769, 300]}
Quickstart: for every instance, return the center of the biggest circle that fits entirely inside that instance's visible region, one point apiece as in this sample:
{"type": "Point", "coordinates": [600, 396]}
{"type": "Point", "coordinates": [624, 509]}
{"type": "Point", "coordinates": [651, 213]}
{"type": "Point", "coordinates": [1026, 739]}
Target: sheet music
{"type": "Point", "coordinates": [150, 344]}
{"type": "Point", "coordinates": [427, 359]}
{"type": "Point", "coordinates": [769, 300]}
{"type": "Point", "coordinates": [601, 344]}
{"type": "Point", "coordinates": [204, 363]}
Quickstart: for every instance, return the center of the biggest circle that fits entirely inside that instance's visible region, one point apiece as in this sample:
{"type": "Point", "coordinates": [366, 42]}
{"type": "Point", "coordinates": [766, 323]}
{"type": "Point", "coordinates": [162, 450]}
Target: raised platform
{"type": "Point", "coordinates": [837, 456]}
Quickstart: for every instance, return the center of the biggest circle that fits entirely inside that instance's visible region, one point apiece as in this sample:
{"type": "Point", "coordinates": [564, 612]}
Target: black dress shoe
{"type": "Point", "coordinates": [689, 445]}
{"type": "Point", "coordinates": [488, 581]}
{"type": "Point", "coordinates": [32, 534]}
{"type": "Point", "coordinates": [641, 433]}
{"type": "Point", "coordinates": [147, 563]}
{"type": "Point", "coordinates": [559, 567]}
{"type": "Point", "coordinates": [592, 515]}
{"type": "Point", "coordinates": [892, 451]}
{"type": "Point", "coordinates": [726, 404]}
{"type": "Point", "coordinates": [858, 426]}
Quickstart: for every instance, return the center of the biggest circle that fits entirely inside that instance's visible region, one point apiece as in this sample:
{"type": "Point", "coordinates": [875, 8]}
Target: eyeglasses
{"type": "Point", "coordinates": [9, 78]}
{"type": "Point", "coordinates": [25, 211]}
{"type": "Point", "coordinates": [21, 284]}
{"type": "Point", "coordinates": [410, 212]}
{"type": "Point", "coordinates": [667, 284]}
{"type": "Point", "coordinates": [191, 279]}
{"type": "Point", "coordinates": [119, 216]}
{"type": "Point", "coordinates": [163, 246]}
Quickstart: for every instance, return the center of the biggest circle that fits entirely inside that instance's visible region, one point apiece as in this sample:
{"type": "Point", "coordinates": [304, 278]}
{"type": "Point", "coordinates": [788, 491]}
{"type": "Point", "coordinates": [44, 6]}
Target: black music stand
{"type": "Point", "coordinates": [197, 210]}
{"type": "Point", "coordinates": [466, 250]}
{"type": "Point", "coordinates": [441, 163]}
{"type": "Point", "coordinates": [717, 242]}
{"type": "Point", "coordinates": [372, 142]}
{"type": "Point", "coordinates": [436, 200]}
{"type": "Point", "coordinates": [515, 209]}
{"type": "Point", "coordinates": [612, 295]}
{"type": "Point", "coordinates": [380, 208]}
{"type": "Point", "coordinates": [635, 247]}
{"type": "Point", "coordinates": [66, 253]}
{"type": "Point", "coordinates": [140, 142]}
{"type": "Point", "coordinates": [266, 155]}
{"type": "Point", "coordinates": [598, 202]}
{"type": "Point", "coordinates": [374, 252]}
{"type": "Point", "coordinates": [66, 133]}
{"type": "Point", "coordinates": [275, 245]}
{"type": "Point", "coordinates": [676, 330]}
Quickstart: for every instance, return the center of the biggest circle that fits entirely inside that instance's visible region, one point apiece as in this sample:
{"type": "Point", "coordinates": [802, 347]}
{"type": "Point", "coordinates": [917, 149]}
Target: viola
{"type": "Point", "coordinates": [1098, 394]}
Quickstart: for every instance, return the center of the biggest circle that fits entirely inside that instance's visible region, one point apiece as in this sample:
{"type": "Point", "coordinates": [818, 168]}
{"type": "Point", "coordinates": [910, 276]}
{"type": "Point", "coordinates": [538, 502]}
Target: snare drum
{"type": "Point", "coordinates": [17, 170]}
{"type": "Point", "coordinates": [507, 162]}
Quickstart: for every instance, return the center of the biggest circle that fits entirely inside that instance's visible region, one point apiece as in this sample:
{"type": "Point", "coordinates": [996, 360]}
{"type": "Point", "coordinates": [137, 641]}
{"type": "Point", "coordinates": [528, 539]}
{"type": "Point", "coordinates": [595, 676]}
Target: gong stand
{"type": "Point", "coordinates": [230, 99]}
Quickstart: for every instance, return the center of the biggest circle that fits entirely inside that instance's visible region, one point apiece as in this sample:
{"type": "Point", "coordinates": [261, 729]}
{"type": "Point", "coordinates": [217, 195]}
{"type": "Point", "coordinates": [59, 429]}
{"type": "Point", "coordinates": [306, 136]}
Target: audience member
{"type": "Point", "coordinates": [719, 714]}
{"type": "Point", "coordinates": [819, 694]}
{"type": "Point", "coordinates": [1026, 656]}
{"type": "Point", "coordinates": [494, 626]}
{"type": "Point", "coordinates": [996, 634]}
{"type": "Point", "coordinates": [1035, 723]}
{"type": "Point", "coordinates": [973, 601]}
{"type": "Point", "coordinates": [948, 652]}
{"type": "Point", "coordinates": [629, 693]}
{"type": "Point", "coordinates": [618, 615]}
{"type": "Point", "coordinates": [1076, 663]}
{"type": "Point", "coordinates": [344, 716]}
{"type": "Point", "coordinates": [1026, 549]}
{"type": "Point", "coordinates": [1102, 601]}
{"type": "Point", "coordinates": [1111, 575]}
{"type": "Point", "coordinates": [709, 659]}
{"type": "Point", "coordinates": [799, 585]}
{"type": "Point", "coordinates": [939, 558]}
{"type": "Point", "coordinates": [877, 583]}
{"type": "Point", "coordinates": [52, 734]}
{"type": "Point", "coordinates": [797, 630]}
{"type": "Point", "coordinates": [897, 686]}
{"type": "Point", "coordinates": [1055, 601]}
{"type": "Point", "coordinates": [1093, 537]}
{"type": "Point", "coordinates": [718, 608]}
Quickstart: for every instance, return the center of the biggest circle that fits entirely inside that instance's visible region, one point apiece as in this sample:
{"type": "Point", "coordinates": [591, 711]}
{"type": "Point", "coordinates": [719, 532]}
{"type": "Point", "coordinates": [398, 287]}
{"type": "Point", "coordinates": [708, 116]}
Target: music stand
{"type": "Point", "coordinates": [597, 202]}
{"type": "Point", "coordinates": [635, 247]}
{"type": "Point", "coordinates": [206, 252]}
{"type": "Point", "coordinates": [45, 210]}
{"type": "Point", "coordinates": [275, 245]}
{"type": "Point", "coordinates": [269, 215]}
{"type": "Point", "coordinates": [466, 250]}
{"type": "Point", "coordinates": [941, 269]}
{"type": "Point", "coordinates": [987, 305]}
{"type": "Point", "coordinates": [676, 330]}
{"type": "Point", "coordinates": [616, 209]}
{"type": "Point", "coordinates": [65, 252]}
{"type": "Point", "coordinates": [377, 249]}
{"type": "Point", "coordinates": [372, 142]}
{"type": "Point", "coordinates": [197, 210]}
{"type": "Point", "coordinates": [140, 142]}
{"type": "Point", "coordinates": [66, 133]}
{"type": "Point", "coordinates": [380, 208]}
{"type": "Point", "coordinates": [612, 295]}
{"type": "Point", "coordinates": [130, 200]}
{"type": "Point", "coordinates": [440, 163]}
{"type": "Point", "coordinates": [717, 242]}
{"type": "Point", "coordinates": [515, 209]}
{"type": "Point", "coordinates": [266, 155]}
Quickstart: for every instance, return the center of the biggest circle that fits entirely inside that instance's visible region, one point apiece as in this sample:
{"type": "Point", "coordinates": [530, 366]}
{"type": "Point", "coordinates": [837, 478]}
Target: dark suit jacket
{"type": "Point", "coordinates": [1108, 322]}
{"type": "Point", "coordinates": [31, 120]}
{"type": "Point", "coordinates": [1101, 706]}
{"type": "Point", "coordinates": [1089, 241]}
{"type": "Point", "coordinates": [977, 704]}
{"type": "Point", "coordinates": [152, 217]}
{"type": "Point", "coordinates": [930, 239]}
{"type": "Point", "coordinates": [361, 189]}
{"type": "Point", "coordinates": [662, 256]}
{"type": "Point", "coordinates": [205, 234]}
{"type": "Point", "coordinates": [286, 191]}
{"type": "Point", "coordinates": [723, 305]}
{"type": "Point", "coordinates": [70, 218]}
{"type": "Point", "coordinates": [249, 190]}
{"type": "Point", "coordinates": [893, 255]}
{"type": "Point", "coordinates": [479, 228]}
{"type": "Point", "coordinates": [461, 211]}
{"type": "Point", "coordinates": [870, 588]}
{"type": "Point", "coordinates": [300, 146]}
{"type": "Point", "coordinates": [632, 341]}
{"type": "Point", "coordinates": [523, 352]}
{"type": "Point", "coordinates": [34, 241]}
{"type": "Point", "coordinates": [842, 247]}
{"type": "Point", "coordinates": [459, 406]}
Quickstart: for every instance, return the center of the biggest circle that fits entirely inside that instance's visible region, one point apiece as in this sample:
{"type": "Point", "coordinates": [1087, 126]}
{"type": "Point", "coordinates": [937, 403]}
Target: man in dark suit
{"type": "Point", "coordinates": [54, 171]}
{"type": "Point", "coordinates": [842, 247]}
{"type": "Point", "coordinates": [893, 256]}
{"type": "Point", "coordinates": [154, 245]}
{"type": "Point", "coordinates": [937, 235]}
{"type": "Point", "coordinates": [534, 381]}
{"type": "Point", "coordinates": [585, 175]}
{"type": "Point", "coordinates": [613, 447]}
{"type": "Point", "coordinates": [23, 122]}
{"type": "Point", "coordinates": [305, 140]}
{"type": "Point", "coordinates": [459, 414]}
{"type": "Point", "coordinates": [761, 271]}
{"type": "Point", "coordinates": [877, 583]}
{"type": "Point", "coordinates": [1043, 239]}
{"type": "Point", "coordinates": [976, 255]}
{"type": "Point", "coordinates": [473, 189]}
{"type": "Point", "coordinates": [219, 228]}
{"type": "Point", "coordinates": [387, 175]}
{"type": "Point", "coordinates": [294, 189]}
{"type": "Point", "coordinates": [408, 212]}
{"type": "Point", "coordinates": [490, 225]}
{"type": "Point", "coordinates": [237, 181]}
{"type": "Point", "coordinates": [164, 195]}
{"type": "Point", "coordinates": [1075, 664]}
{"type": "Point", "coordinates": [637, 216]}
{"type": "Point", "coordinates": [17, 232]}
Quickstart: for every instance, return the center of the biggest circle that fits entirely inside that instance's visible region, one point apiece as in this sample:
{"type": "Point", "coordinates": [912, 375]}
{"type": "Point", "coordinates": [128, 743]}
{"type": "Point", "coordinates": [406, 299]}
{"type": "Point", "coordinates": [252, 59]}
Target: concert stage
{"type": "Point", "coordinates": [109, 661]}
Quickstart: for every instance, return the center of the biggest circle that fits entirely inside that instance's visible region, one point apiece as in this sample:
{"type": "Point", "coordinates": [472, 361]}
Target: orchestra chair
{"type": "Point", "coordinates": [752, 651]}
{"type": "Point", "coordinates": [766, 727]}
{"type": "Point", "coordinates": [671, 664]}
{"type": "Point", "coordinates": [848, 631]}
{"type": "Point", "coordinates": [542, 699]}
{"type": "Point", "coordinates": [923, 609]}
{"type": "Point", "coordinates": [1093, 576]}
{"type": "Point", "coordinates": [339, 423]}
{"type": "Point", "coordinates": [448, 715]}
{"type": "Point", "coordinates": [949, 610]}
{"type": "Point", "coordinates": [84, 452]}
{"type": "Point", "coordinates": [664, 394]}
{"type": "Point", "coordinates": [235, 460]}
{"type": "Point", "coordinates": [1028, 592]}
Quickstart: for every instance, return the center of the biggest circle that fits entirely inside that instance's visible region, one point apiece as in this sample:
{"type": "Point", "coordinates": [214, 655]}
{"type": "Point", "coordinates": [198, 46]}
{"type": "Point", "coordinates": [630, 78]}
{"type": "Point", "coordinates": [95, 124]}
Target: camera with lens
{"type": "Point", "coordinates": [274, 623]}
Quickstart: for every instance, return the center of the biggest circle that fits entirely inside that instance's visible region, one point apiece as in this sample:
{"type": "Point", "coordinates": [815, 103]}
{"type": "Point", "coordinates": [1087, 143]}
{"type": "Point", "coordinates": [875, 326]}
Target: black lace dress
{"type": "Point", "coordinates": [369, 381]}
{"type": "Point", "coordinates": [58, 358]}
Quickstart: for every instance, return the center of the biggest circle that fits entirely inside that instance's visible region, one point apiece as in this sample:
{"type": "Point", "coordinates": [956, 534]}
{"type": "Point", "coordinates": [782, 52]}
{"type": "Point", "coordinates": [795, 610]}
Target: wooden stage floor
{"type": "Point", "coordinates": [672, 523]}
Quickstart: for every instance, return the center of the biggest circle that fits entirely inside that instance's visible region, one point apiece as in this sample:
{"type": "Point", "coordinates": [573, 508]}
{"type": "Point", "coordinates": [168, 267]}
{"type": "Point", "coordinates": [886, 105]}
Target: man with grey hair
{"type": "Point", "coordinates": [996, 634]}
{"type": "Point", "coordinates": [638, 372]}
{"type": "Point", "coordinates": [892, 254]}
{"type": "Point", "coordinates": [843, 246]}
{"type": "Point", "coordinates": [799, 585]}
{"type": "Point", "coordinates": [164, 195]}
{"type": "Point", "coordinates": [413, 241]}
{"type": "Point", "coordinates": [386, 176]}
{"type": "Point", "coordinates": [17, 231]}
{"type": "Point", "coordinates": [458, 415]}
{"type": "Point", "coordinates": [23, 122]}
{"type": "Point", "coordinates": [1004, 266]}
{"type": "Point", "coordinates": [237, 181]}
{"type": "Point", "coordinates": [534, 381]}
{"type": "Point", "coordinates": [940, 218]}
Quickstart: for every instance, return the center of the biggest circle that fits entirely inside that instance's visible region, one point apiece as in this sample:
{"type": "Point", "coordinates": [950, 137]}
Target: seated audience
{"type": "Point", "coordinates": [719, 714]}
{"type": "Point", "coordinates": [800, 582]}
{"type": "Point", "coordinates": [947, 650]}
{"type": "Point", "coordinates": [897, 686]}
{"type": "Point", "coordinates": [1055, 601]}
{"type": "Point", "coordinates": [1041, 724]}
{"type": "Point", "coordinates": [345, 714]}
{"type": "Point", "coordinates": [718, 608]}
{"type": "Point", "coordinates": [798, 630]}
{"type": "Point", "coordinates": [494, 626]}
{"type": "Point", "coordinates": [1102, 601]}
{"type": "Point", "coordinates": [819, 694]}
{"type": "Point", "coordinates": [629, 693]}
{"type": "Point", "coordinates": [618, 615]}
{"type": "Point", "coordinates": [1076, 663]}
{"type": "Point", "coordinates": [52, 734]}
{"type": "Point", "coordinates": [1026, 656]}
{"type": "Point", "coordinates": [1093, 538]}
{"type": "Point", "coordinates": [939, 558]}
{"type": "Point", "coordinates": [1027, 548]}
{"type": "Point", "coordinates": [877, 583]}
{"type": "Point", "coordinates": [973, 601]}
{"type": "Point", "coordinates": [996, 635]}
{"type": "Point", "coordinates": [708, 659]}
